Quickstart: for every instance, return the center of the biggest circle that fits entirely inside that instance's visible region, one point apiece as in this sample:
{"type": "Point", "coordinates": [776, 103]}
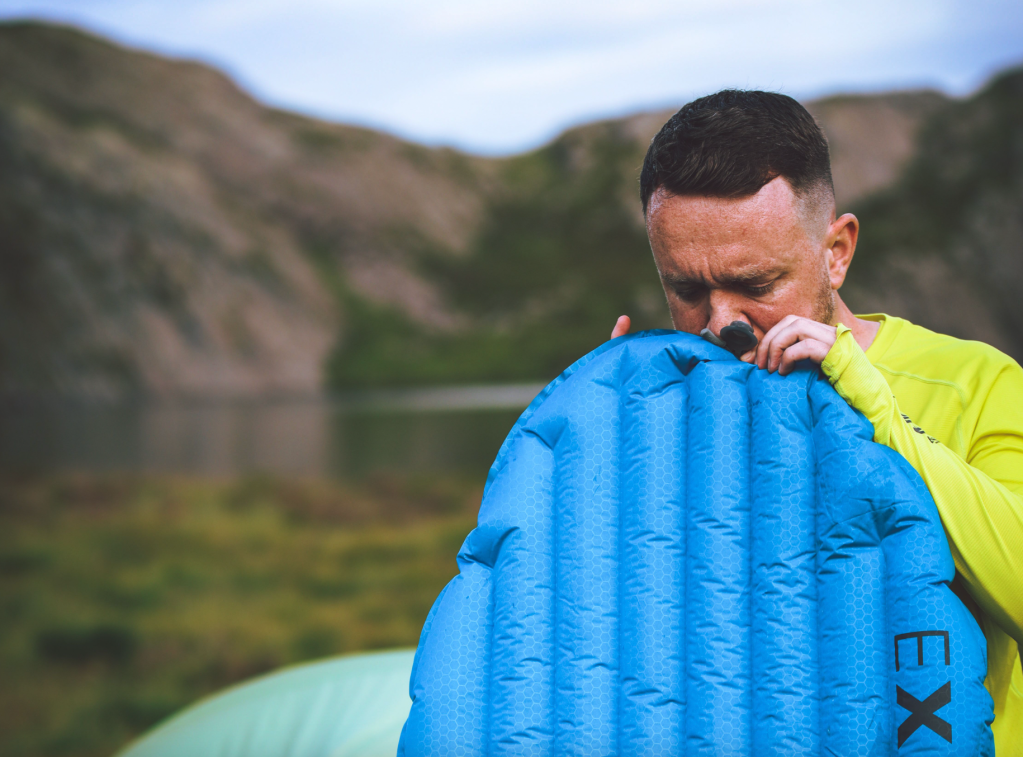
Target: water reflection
{"type": "Point", "coordinates": [449, 430]}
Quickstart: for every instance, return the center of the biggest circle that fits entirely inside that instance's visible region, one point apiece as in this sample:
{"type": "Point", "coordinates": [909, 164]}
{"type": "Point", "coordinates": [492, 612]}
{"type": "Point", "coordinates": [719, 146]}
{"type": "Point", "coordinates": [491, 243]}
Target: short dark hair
{"type": "Point", "coordinates": [732, 143]}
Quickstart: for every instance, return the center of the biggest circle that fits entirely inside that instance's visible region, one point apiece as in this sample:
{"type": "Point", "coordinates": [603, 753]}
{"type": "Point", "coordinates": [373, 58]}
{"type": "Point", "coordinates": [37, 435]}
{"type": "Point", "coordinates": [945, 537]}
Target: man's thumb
{"type": "Point", "coordinates": [621, 327]}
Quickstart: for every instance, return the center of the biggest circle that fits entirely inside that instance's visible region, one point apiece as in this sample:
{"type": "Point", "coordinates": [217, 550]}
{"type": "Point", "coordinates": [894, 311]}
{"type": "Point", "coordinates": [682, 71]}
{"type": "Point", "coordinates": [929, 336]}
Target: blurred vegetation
{"type": "Point", "coordinates": [125, 598]}
{"type": "Point", "coordinates": [969, 151]}
{"type": "Point", "coordinates": [558, 259]}
{"type": "Point", "coordinates": [960, 199]}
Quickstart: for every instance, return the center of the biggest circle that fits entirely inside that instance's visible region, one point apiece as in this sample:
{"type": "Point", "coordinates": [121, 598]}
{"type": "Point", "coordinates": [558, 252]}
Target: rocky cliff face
{"type": "Point", "coordinates": [872, 138]}
{"type": "Point", "coordinates": [163, 234]}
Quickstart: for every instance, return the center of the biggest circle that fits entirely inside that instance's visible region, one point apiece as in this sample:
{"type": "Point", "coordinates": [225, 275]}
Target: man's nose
{"type": "Point", "coordinates": [724, 309]}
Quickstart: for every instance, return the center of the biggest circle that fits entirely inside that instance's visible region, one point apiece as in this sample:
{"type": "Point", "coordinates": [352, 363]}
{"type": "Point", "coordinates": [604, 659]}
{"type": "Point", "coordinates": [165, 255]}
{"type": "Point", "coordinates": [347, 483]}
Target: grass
{"type": "Point", "coordinates": [125, 598]}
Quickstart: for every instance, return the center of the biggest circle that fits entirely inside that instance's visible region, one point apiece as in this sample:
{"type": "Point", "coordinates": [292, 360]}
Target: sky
{"type": "Point", "coordinates": [502, 76]}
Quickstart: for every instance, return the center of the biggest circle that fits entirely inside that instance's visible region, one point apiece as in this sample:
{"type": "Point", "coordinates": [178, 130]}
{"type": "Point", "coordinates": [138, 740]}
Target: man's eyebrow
{"type": "Point", "coordinates": [749, 276]}
{"type": "Point", "coordinates": [740, 278]}
{"type": "Point", "coordinates": [681, 281]}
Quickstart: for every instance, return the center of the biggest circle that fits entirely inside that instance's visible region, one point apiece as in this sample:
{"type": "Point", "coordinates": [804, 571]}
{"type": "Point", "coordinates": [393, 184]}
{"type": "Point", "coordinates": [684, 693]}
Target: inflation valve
{"type": "Point", "coordinates": [737, 337]}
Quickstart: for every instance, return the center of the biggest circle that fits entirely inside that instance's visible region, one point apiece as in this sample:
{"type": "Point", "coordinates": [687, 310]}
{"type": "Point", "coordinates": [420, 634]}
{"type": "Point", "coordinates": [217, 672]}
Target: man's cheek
{"type": "Point", "coordinates": [690, 320]}
{"type": "Point", "coordinates": [676, 311]}
{"type": "Point", "coordinates": [766, 315]}
{"type": "Point", "coordinates": [763, 319]}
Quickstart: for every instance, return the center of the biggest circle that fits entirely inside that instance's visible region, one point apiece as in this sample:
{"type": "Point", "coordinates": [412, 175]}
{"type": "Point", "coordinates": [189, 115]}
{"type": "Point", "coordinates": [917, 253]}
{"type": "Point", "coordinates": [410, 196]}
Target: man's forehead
{"type": "Point", "coordinates": [737, 237]}
{"type": "Point", "coordinates": [776, 204]}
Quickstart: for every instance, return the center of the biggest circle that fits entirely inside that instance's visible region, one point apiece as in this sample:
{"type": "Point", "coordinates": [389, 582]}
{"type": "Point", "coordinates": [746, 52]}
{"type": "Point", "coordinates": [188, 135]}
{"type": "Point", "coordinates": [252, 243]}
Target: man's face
{"type": "Point", "coordinates": [754, 259]}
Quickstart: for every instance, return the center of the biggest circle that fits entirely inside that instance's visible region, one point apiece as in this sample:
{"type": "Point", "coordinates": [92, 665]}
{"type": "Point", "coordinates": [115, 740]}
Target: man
{"type": "Point", "coordinates": [740, 213]}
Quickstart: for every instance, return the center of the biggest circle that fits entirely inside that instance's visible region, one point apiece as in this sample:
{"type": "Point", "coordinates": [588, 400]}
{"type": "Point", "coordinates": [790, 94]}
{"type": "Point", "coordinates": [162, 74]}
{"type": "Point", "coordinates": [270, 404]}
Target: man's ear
{"type": "Point", "coordinates": [840, 247]}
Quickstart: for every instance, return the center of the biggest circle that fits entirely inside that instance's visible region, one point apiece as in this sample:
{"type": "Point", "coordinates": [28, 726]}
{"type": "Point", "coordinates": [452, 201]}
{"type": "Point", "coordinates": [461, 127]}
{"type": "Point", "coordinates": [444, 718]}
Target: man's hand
{"type": "Point", "coordinates": [790, 340]}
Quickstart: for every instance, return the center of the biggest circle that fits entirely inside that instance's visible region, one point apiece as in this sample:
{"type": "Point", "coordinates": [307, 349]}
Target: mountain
{"type": "Point", "coordinates": [165, 235]}
{"type": "Point", "coordinates": [561, 250]}
{"type": "Point", "coordinates": [944, 243]}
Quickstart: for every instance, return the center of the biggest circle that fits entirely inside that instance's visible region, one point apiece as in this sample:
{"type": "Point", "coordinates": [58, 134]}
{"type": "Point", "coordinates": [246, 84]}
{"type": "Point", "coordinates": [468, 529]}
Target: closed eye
{"type": "Point", "coordinates": [761, 289]}
{"type": "Point", "coordinates": [691, 293]}
{"type": "Point", "coordinates": [758, 290]}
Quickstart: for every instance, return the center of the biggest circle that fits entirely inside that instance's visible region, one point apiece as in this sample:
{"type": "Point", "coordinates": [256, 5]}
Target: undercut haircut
{"type": "Point", "coordinates": [730, 144]}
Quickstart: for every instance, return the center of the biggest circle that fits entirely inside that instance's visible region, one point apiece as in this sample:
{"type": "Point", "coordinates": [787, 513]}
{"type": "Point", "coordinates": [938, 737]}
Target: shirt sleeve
{"type": "Point", "coordinates": [978, 501]}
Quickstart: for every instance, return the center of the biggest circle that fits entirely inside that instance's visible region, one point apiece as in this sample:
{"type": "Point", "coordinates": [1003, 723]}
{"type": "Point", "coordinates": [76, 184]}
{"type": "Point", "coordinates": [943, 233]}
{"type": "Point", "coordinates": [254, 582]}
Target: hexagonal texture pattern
{"type": "Point", "coordinates": [678, 554]}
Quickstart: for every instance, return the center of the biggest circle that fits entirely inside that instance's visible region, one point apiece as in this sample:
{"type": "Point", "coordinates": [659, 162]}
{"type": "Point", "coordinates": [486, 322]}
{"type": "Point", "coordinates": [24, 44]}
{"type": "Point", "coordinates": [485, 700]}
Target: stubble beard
{"type": "Point", "coordinates": [824, 307]}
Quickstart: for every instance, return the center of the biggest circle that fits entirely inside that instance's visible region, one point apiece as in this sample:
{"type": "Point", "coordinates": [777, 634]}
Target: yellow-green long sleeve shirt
{"type": "Point", "coordinates": [954, 410]}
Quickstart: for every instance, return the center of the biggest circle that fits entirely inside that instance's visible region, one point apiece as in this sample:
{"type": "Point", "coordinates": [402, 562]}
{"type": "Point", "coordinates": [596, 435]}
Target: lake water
{"type": "Point", "coordinates": [444, 430]}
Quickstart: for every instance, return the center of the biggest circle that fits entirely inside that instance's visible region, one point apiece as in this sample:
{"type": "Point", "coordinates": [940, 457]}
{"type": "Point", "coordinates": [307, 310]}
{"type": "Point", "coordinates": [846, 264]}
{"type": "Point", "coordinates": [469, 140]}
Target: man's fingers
{"type": "Point", "coordinates": [621, 327]}
{"type": "Point", "coordinates": [787, 335]}
{"type": "Point", "coordinates": [807, 348]}
{"type": "Point", "coordinates": [789, 338]}
{"type": "Point", "coordinates": [763, 349]}
{"type": "Point", "coordinates": [776, 341]}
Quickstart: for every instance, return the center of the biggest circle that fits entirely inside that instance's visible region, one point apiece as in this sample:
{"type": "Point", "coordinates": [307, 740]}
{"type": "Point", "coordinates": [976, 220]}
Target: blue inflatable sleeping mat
{"type": "Point", "coordinates": [680, 554]}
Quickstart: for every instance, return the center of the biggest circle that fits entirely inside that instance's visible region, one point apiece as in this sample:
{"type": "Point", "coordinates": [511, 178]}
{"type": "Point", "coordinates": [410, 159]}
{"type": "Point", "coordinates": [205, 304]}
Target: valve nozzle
{"type": "Point", "coordinates": [737, 337]}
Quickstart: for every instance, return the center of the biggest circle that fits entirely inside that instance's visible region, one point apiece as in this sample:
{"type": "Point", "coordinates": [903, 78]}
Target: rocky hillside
{"type": "Point", "coordinates": [163, 234]}
{"type": "Point", "coordinates": [561, 250]}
